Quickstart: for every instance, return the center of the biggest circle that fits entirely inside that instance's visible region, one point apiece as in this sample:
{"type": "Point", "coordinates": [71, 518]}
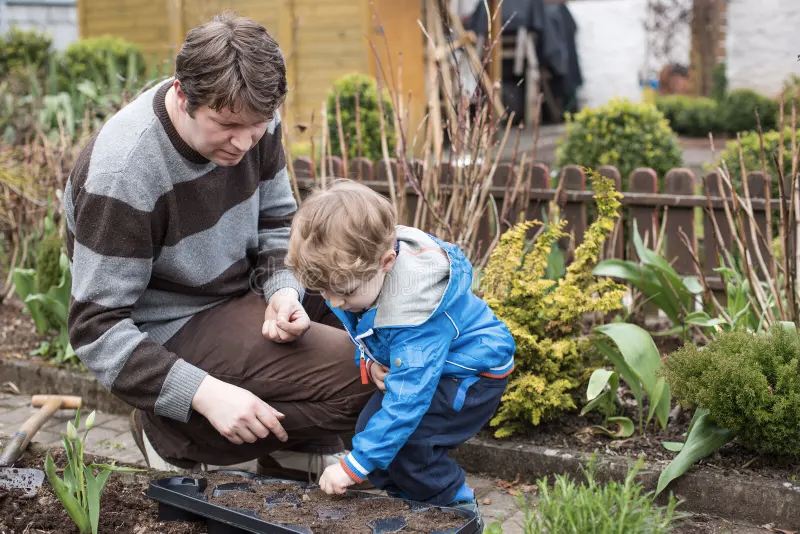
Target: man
{"type": "Point", "coordinates": [178, 215]}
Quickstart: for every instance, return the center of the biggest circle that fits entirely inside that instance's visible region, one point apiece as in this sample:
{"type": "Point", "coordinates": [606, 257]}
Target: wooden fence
{"type": "Point", "coordinates": [648, 199]}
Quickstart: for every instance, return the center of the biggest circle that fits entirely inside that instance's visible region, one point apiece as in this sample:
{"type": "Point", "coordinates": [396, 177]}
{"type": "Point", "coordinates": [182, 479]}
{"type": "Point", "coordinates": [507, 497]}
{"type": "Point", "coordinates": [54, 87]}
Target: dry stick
{"type": "Point", "coordinates": [409, 175]}
{"type": "Point", "coordinates": [385, 148]}
{"type": "Point", "coordinates": [755, 233]}
{"type": "Point", "coordinates": [768, 188]}
{"type": "Point", "coordinates": [484, 191]}
{"type": "Point", "coordinates": [290, 167]}
{"type": "Point", "coordinates": [723, 247]}
{"type": "Point", "coordinates": [735, 224]}
{"type": "Point", "coordinates": [324, 148]}
{"type": "Point", "coordinates": [788, 276]}
{"type": "Point", "coordinates": [359, 141]}
{"type": "Point", "coordinates": [340, 132]}
{"type": "Point", "coordinates": [701, 274]}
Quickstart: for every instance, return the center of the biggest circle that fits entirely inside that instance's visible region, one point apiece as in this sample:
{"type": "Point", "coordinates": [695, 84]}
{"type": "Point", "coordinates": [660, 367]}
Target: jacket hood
{"type": "Point", "coordinates": [427, 277]}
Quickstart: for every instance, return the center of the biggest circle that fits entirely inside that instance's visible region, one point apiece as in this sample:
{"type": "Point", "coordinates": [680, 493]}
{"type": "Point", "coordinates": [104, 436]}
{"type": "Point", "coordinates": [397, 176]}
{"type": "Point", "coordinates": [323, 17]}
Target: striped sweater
{"type": "Point", "coordinates": [157, 233]}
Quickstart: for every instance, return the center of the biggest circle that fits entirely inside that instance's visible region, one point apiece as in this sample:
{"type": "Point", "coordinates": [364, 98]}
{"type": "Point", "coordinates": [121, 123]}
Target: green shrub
{"type": "Point", "coordinates": [572, 508]}
{"type": "Point", "coordinates": [719, 82]}
{"type": "Point", "coordinates": [623, 134]}
{"type": "Point", "coordinates": [751, 151]}
{"type": "Point", "coordinates": [106, 61]}
{"type": "Point", "coordinates": [738, 111]}
{"type": "Point", "coordinates": [749, 383]}
{"type": "Point", "coordinates": [689, 115]}
{"type": "Point", "coordinates": [23, 48]}
{"type": "Point", "coordinates": [545, 315]}
{"type": "Point", "coordinates": [366, 142]}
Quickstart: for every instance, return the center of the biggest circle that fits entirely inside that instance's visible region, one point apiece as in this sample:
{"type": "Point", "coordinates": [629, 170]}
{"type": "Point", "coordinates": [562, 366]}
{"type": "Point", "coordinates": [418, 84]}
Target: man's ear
{"type": "Point", "coordinates": [180, 96]}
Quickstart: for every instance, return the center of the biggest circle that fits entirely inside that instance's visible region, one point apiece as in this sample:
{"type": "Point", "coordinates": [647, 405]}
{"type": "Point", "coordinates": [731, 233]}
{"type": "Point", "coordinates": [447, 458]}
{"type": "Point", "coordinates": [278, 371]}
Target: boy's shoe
{"type": "Point", "coordinates": [472, 507]}
{"type": "Point", "coordinates": [151, 457]}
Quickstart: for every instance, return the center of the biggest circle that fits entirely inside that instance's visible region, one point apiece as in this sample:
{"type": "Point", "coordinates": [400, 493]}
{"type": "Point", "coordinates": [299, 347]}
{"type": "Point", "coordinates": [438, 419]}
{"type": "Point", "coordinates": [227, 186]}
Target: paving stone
{"type": "Point", "coordinates": [16, 416]}
{"type": "Point", "coordinates": [14, 401]}
{"type": "Point", "coordinates": [114, 422]}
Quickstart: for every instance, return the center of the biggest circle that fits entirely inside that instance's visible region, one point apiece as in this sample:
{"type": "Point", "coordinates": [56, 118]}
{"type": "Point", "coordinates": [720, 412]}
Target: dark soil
{"type": "Point", "coordinates": [571, 431]}
{"type": "Point", "coordinates": [124, 508]}
{"type": "Point", "coordinates": [308, 506]}
{"type": "Point", "coordinates": [18, 335]}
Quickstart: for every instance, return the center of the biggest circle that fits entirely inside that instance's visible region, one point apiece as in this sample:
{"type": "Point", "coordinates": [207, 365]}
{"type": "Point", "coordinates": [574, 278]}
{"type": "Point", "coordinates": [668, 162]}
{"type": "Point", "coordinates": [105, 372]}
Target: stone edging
{"type": "Point", "coordinates": [755, 500]}
{"type": "Point", "coordinates": [35, 376]}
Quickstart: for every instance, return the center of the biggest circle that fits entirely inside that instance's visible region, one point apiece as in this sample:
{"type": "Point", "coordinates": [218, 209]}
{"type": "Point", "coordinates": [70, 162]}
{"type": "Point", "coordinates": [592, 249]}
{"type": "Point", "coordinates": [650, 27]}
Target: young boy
{"type": "Point", "coordinates": [436, 352]}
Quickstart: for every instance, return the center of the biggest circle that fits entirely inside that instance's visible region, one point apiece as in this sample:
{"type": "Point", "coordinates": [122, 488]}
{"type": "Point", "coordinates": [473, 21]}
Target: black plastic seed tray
{"type": "Point", "coordinates": [183, 499]}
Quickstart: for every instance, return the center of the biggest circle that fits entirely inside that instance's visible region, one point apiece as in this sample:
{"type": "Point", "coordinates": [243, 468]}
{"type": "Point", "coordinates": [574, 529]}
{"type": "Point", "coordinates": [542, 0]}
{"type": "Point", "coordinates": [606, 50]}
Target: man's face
{"type": "Point", "coordinates": [223, 136]}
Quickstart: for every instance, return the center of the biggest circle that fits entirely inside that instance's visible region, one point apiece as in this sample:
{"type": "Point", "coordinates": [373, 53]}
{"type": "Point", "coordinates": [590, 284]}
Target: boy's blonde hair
{"type": "Point", "coordinates": [339, 235]}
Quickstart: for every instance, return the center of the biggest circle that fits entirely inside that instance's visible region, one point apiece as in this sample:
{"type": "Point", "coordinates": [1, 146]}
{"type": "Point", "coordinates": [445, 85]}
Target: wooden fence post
{"type": "Point", "coordinates": [334, 167]}
{"type": "Point", "coordinates": [644, 180]}
{"type": "Point", "coordinates": [361, 169]}
{"type": "Point", "coordinates": [614, 244]}
{"type": "Point", "coordinates": [540, 179]}
{"type": "Point", "coordinates": [303, 169]}
{"type": "Point", "coordinates": [574, 212]}
{"type": "Point", "coordinates": [680, 182]}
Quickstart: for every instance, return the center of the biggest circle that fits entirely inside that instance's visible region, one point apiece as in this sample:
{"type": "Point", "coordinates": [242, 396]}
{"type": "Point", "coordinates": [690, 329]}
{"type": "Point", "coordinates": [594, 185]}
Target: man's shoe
{"type": "Point", "coordinates": [151, 457]}
{"type": "Point", "coordinates": [472, 507]}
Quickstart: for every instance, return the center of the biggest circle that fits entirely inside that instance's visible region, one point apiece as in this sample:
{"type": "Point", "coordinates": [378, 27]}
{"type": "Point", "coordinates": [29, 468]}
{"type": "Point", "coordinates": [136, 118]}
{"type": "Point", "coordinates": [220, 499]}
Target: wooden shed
{"type": "Point", "coordinates": [321, 39]}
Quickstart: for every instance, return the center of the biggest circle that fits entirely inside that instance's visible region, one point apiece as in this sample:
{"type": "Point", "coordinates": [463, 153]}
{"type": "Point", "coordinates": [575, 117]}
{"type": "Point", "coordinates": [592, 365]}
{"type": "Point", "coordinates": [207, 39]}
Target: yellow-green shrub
{"type": "Point", "coordinates": [621, 133]}
{"type": "Point", "coordinates": [544, 315]}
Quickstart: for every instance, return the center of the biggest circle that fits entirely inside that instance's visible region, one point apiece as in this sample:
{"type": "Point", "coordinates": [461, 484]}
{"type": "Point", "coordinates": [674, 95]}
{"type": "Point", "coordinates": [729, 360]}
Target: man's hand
{"type": "Point", "coordinates": [335, 480]}
{"type": "Point", "coordinates": [236, 413]}
{"type": "Point", "coordinates": [285, 318]}
{"type": "Point", "coordinates": [378, 373]}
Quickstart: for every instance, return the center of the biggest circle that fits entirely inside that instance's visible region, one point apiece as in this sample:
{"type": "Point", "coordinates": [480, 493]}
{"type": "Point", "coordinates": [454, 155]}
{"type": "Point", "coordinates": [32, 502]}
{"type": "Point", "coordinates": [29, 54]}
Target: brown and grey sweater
{"type": "Point", "coordinates": [157, 233]}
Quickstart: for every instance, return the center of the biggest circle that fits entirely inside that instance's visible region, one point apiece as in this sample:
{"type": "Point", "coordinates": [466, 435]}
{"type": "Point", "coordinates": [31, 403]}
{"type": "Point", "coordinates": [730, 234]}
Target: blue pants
{"type": "Point", "coordinates": [422, 470]}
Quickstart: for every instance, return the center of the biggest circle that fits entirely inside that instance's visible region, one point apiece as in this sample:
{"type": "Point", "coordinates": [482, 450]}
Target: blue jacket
{"type": "Point", "coordinates": [427, 323]}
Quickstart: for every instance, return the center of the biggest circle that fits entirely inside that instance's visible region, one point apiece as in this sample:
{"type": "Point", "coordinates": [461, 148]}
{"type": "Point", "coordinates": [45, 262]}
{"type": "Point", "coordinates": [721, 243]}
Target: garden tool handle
{"type": "Point", "coordinates": [50, 404]}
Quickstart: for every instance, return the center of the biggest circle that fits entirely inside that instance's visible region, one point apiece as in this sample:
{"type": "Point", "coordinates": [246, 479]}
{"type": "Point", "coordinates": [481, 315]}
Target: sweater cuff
{"type": "Point", "coordinates": [175, 399]}
{"type": "Point", "coordinates": [280, 280]}
{"type": "Point", "coordinates": [356, 468]}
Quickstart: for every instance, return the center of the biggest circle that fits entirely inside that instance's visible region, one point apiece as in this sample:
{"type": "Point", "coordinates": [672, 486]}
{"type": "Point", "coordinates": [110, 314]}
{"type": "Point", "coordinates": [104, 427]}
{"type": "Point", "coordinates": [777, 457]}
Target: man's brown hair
{"type": "Point", "coordinates": [232, 62]}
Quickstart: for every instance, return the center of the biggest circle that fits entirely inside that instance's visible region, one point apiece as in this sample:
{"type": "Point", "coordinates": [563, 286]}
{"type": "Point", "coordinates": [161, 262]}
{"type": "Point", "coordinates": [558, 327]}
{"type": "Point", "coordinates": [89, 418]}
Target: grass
{"type": "Point", "coordinates": [568, 507]}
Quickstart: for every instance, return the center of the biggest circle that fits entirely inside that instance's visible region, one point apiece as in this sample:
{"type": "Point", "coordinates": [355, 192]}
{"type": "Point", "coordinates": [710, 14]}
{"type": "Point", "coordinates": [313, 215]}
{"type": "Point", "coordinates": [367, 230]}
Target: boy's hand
{"type": "Point", "coordinates": [335, 480]}
{"type": "Point", "coordinates": [378, 373]}
{"type": "Point", "coordinates": [285, 319]}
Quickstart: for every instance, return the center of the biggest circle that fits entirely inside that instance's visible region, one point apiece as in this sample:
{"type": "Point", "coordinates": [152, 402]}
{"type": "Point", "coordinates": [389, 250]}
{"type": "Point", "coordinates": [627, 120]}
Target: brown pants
{"type": "Point", "coordinates": [313, 381]}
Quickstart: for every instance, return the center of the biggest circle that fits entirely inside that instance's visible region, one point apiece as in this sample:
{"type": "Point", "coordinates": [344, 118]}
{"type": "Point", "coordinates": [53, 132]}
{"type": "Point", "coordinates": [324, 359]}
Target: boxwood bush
{"type": "Point", "coordinates": [750, 383]}
{"type": "Point", "coordinates": [621, 133]}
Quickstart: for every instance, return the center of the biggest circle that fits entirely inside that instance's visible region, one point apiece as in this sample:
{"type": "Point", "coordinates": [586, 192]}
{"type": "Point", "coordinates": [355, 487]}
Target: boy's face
{"type": "Point", "coordinates": [224, 136]}
{"type": "Point", "coordinates": [361, 295]}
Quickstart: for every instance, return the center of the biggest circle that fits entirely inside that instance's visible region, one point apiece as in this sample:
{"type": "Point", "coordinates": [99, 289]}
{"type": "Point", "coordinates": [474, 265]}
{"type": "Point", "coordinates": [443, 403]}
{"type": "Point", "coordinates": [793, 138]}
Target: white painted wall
{"type": "Point", "coordinates": [762, 44]}
{"type": "Point", "coordinates": [59, 18]}
{"type": "Point", "coordinates": [611, 48]}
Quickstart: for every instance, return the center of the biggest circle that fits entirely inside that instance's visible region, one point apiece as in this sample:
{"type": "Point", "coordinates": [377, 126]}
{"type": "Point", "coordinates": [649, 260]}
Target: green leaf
{"type": "Point", "coordinates": [704, 438]}
{"type": "Point", "coordinates": [692, 285]}
{"type": "Point", "coordinates": [672, 446]}
{"type": "Point", "coordinates": [655, 400]}
{"type": "Point", "coordinates": [78, 515]}
{"type": "Point", "coordinates": [789, 326]}
{"type": "Point", "coordinates": [638, 351]}
{"type": "Point", "coordinates": [94, 490]}
{"type": "Point", "coordinates": [598, 382]}
{"type": "Point", "coordinates": [701, 318]}
{"type": "Point", "coordinates": [622, 367]}
{"type": "Point", "coordinates": [625, 427]}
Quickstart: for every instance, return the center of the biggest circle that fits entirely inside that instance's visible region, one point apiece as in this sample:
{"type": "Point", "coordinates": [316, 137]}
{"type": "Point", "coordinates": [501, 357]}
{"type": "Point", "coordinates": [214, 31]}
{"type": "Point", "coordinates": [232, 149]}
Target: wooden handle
{"type": "Point", "coordinates": [66, 402]}
{"type": "Point", "coordinates": [20, 440]}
